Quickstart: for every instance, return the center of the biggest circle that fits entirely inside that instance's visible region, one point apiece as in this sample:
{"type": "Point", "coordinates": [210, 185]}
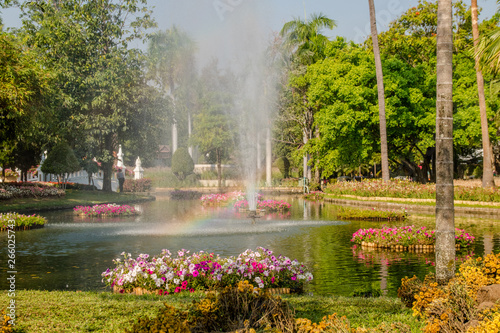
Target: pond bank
{"type": "Point", "coordinates": [72, 199]}
{"type": "Point", "coordinates": [422, 206]}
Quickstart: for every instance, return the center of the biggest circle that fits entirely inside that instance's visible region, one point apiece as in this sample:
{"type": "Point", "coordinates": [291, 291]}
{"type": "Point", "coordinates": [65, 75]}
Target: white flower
{"type": "Point", "coordinates": [177, 281]}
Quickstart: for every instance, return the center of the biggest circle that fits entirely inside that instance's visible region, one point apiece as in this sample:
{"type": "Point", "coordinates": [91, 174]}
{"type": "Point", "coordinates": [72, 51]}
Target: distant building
{"type": "Point", "coordinates": [164, 156]}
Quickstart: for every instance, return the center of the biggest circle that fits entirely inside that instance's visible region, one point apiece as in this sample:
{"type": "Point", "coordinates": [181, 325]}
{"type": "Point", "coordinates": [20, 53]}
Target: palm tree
{"type": "Point", "coordinates": [445, 224]}
{"type": "Point", "coordinates": [303, 37]}
{"type": "Point", "coordinates": [488, 180]}
{"type": "Point", "coordinates": [171, 59]}
{"type": "Point", "coordinates": [488, 50]}
{"type": "Point", "coordinates": [304, 41]}
{"type": "Point", "coordinates": [381, 97]}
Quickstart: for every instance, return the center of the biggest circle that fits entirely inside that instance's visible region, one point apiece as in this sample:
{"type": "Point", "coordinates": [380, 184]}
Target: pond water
{"type": "Point", "coordinates": [71, 252]}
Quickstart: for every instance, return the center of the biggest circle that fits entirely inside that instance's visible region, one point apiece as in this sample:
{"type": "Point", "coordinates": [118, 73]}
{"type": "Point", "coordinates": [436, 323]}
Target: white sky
{"type": "Point", "coordinates": [217, 25]}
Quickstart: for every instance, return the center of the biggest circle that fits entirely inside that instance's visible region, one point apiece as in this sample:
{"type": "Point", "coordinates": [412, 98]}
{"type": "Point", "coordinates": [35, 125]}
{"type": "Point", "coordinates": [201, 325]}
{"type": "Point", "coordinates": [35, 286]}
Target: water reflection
{"type": "Point", "coordinates": [71, 252]}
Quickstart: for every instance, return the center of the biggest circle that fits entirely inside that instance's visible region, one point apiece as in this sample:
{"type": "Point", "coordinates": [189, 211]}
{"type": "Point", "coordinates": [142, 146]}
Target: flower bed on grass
{"type": "Point", "coordinates": [406, 238]}
{"type": "Point", "coordinates": [265, 205]}
{"type": "Point", "coordinates": [29, 190]}
{"type": "Point", "coordinates": [221, 199]}
{"type": "Point", "coordinates": [105, 210]}
{"type": "Point", "coordinates": [409, 189]}
{"type": "Point", "coordinates": [202, 271]}
{"type": "Point", "coordinates": [350, 213]}
{"type": "Point", "coordinates": [21, 222]}
{"type": "Point", "coordinates": [314, 195]}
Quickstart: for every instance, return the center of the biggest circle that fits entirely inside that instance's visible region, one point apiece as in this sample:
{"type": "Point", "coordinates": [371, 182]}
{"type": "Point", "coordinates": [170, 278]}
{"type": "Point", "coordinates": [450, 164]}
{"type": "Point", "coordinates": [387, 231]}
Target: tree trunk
{"type": "Point", "coordinates": [381, 98]}
{"type": "Point", "coordinates": [269, 179]}
{"type": "Point", "coordinates": [488, 180]}
{"type": "Point", "coordinates": [219, 169]}
{"type": "Point", "coordinates": [190, 148]}
{"type": "Point", "coordinates": [107, 166]}
{"type": "Point", "coordinates": [445, 213]}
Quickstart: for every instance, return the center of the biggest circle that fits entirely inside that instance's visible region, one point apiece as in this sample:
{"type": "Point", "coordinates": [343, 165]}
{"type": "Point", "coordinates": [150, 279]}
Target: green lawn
{"type": "Point", "coordinates": [63, 311]}
{"type": "Point", "coordinates": [73, 198]}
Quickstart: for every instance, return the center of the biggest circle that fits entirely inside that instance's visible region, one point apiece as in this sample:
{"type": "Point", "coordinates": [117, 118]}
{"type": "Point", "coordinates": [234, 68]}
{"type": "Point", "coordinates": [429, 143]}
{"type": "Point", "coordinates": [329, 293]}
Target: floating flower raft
{"type": "Point", "coordinates": [105, 210]}
{"type": "Point", "coordinates": [202, 271]}
{"type": "Point", "coordinates": [408, 238]}
{"type": "Point", "coordinates": [15, 221]}
{"type": "Point", "coordinates": [264, 205]}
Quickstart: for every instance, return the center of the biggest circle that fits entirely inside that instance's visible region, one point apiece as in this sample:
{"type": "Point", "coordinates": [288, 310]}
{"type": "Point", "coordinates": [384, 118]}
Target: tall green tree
{"type": "Point", "coordinates": [306, 43]}
{"type": "Point", "coordinates": [171, 65]}
{"type": "Point", "coordinates": [488, 180]}
{"type": "Point", "coordinates": [26, 107]}
{"type": "Point", "coordinates": [445, 211]}
{"type": "Point", "coordinates": [86, 43]}
{"type": "Point", "coordinates": [384, 154]}
{"type": "Point", "coordinates": [214, 130]}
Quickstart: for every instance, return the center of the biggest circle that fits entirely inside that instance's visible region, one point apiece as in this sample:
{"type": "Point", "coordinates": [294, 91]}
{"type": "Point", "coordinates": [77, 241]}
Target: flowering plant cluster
{"type": "Point", "coordinates": [105, 210]}
{"type": "Point", "coordinates": [408, 189]}
{"type": "Point", "coordinates": [353, 213]}
{"type": "Point", "coordinates": [21, 221]}
{"type": "Point", "coordinates": [378, 188]}
{"type": "Point", "coordinates": [267, 205]}
{"type": "Point", "coordinates": [314, 195]}
{"type": "Point", "coordinates": [222, 199]}
{"type": "Point", "coordinates": [29, 190]}
{"type": "Point", "coordinates": [11, 173]}
{"type": "Point", "coordinates": [205, 271]}
{"type": "Point", "coordinates": [405, 236]}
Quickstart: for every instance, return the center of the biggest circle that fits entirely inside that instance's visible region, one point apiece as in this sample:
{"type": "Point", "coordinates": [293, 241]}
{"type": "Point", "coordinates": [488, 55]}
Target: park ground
{"type": "Point", "coordinates": [77, 311]}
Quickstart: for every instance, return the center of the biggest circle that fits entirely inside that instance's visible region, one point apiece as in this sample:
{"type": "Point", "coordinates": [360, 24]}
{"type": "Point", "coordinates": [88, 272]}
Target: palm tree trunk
{"type": "Point", "coordinates": [445, 212]}
{"type": "Point", "coordinates": [269, 178]}
{"type": "Point", "coordinates": [381, 97]}
{"type": "Point", "coordinates": [488, 180]}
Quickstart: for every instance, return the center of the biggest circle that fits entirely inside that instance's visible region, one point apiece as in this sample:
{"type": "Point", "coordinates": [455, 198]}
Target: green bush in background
{"type": "Point", "coordinates": [182, 163]}
{"type": "Point", "coordinates": [283, 164]}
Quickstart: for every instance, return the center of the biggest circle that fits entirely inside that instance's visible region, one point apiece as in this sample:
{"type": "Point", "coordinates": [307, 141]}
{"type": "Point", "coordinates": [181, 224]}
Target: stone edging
{"type": "Point", "coordinates": [142, 291]}
{"type": "Point", "coordinates": [425, 209]}
{"type": "Point", "coordinates": [400, 248]}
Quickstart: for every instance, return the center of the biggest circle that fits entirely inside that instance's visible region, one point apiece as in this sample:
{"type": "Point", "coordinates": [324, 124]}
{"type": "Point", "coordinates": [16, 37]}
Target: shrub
{"type": "Point", "coordinates": [182, 163]}
{"type": "Point", "coordinates": [137, 185]}
{"type": "Point", "coordinates": [335, 324]}
{"type": "Point", "coordinates": [241, 307]}
{"type": "Point", "coordinates": [60, 160]}
{"type": "Point", "coordinates": [5, 322]}
{"type": "Point", "coordinates": [185, 195]}
{"type": "Point", "coordinates": [191, 180]}
{"type": "Point", "coordinates": [168, 319]}
{"type": "Point", "coordinates": [283, 164]}
{"type": "Point", "coordinates": [314, 186]}
{"type": "Point", "coordinates": [451, 307]}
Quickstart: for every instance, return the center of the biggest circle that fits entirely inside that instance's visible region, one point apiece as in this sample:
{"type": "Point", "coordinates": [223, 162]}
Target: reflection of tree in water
{"type": "Point", "coordinates": [385, 259]}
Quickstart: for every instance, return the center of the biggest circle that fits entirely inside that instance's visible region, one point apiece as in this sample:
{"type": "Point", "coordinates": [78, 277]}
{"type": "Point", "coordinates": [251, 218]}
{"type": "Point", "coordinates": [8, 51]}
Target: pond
{"type": "Point", "coordinates": [71, 252]}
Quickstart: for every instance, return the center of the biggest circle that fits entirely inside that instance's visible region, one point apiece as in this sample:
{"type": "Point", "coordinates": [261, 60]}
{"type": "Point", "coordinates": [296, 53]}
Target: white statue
{"type": "Point", "coordinates": [138, 171]}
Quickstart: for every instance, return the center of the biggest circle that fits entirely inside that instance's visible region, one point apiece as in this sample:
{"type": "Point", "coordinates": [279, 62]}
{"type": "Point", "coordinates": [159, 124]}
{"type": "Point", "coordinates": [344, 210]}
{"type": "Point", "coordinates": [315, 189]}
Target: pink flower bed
{"type": "Point", "coordinates": [105, 210]}
{"type": "Point", "coordinates": [405, 236]}
{"type": "Point", "coordinates": [267, 205]}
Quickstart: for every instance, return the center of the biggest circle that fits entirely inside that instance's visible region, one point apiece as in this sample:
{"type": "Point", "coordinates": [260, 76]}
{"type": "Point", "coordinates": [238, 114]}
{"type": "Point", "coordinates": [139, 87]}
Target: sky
{"type": "Point", "coordinates": [217, 25]}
